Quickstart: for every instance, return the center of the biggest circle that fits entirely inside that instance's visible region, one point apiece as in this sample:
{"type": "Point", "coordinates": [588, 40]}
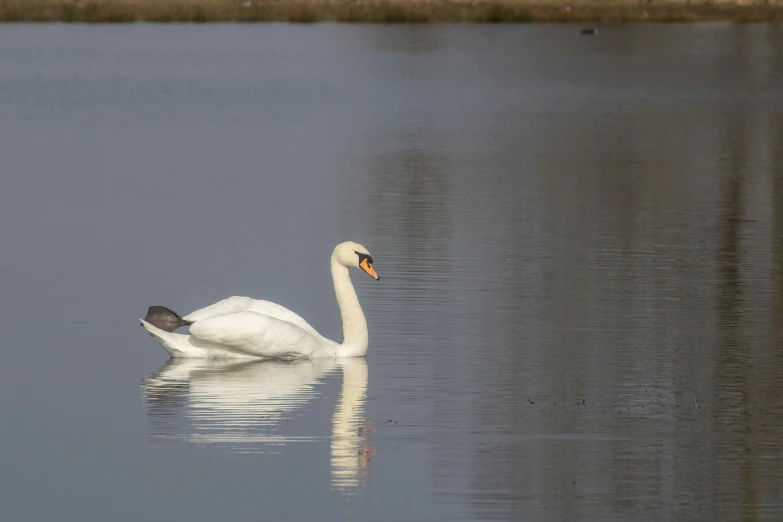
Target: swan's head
{"type": "Point", "coordinates": [353, 254]}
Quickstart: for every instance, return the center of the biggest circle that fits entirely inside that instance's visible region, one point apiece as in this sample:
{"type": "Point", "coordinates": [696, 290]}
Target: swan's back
{"type": "Point", "coordinates": [257, 334]}
{"type": "Point", "coordinates": [237, 304]}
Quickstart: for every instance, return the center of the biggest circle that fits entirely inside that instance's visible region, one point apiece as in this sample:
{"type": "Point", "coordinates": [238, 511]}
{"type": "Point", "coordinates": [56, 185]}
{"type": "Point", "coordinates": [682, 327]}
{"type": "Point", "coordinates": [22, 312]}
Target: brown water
{"type": "Point", "coordinates": [579, 243]}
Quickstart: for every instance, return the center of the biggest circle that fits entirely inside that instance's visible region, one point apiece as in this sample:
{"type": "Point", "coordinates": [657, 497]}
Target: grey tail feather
{"type": "Point", "coordinates": [165, 318]}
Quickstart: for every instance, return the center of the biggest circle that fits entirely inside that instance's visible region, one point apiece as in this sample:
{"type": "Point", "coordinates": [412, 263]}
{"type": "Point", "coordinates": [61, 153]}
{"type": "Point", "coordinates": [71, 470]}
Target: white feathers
{"type": "Point", "coordinates": [256, 334]}
{"type": "Point", "coordinates": [245, 328]}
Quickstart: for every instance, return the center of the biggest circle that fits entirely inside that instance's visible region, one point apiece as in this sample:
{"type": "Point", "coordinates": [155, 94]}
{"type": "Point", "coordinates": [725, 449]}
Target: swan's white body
{"type": "Point", "coordinates": [245, 328]}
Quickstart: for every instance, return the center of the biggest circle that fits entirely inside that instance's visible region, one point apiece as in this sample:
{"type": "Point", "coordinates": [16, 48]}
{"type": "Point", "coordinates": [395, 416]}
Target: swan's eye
{"type": "Point", "coordinates": [365, 263]}
{"type": "Point", "coordinates": [362, 257]}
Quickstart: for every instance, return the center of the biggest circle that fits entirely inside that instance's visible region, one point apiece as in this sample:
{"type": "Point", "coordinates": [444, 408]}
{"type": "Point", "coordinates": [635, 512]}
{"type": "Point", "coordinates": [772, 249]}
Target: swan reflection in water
{"type": "Point", "coordinates": [241, 405]}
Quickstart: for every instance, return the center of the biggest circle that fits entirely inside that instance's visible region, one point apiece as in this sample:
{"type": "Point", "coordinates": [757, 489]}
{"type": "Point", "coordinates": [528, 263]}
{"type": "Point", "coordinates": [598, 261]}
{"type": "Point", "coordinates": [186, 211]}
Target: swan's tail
{"type": "Point", "coordinates": [179, 345]}
{"type": "Point", "coordinates": [175, 344]}
{"type": "Point", "coordinates": [164, 318]}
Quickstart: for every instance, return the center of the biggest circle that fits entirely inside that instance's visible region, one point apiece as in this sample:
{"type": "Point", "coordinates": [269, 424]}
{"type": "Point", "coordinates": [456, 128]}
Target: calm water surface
{"type": "Point", "coordinates": [580, 248]}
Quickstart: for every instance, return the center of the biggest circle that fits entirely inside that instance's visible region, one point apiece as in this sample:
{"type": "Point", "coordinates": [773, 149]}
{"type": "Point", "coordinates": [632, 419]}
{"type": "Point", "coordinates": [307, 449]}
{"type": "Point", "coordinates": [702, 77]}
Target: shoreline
{"type": "Point", "coordinates": [381, 11]}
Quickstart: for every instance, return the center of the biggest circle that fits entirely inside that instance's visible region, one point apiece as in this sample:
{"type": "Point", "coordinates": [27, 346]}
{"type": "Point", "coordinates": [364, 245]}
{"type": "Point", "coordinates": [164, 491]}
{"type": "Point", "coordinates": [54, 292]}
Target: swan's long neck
{"type": "Point", "coordinates": [355, 338]}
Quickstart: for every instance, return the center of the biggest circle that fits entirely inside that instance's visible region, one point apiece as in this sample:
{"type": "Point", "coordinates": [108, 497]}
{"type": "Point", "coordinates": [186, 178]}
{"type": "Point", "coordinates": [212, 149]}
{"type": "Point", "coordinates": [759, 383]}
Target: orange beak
{"type": "Point", "coordinates": [367, 267]}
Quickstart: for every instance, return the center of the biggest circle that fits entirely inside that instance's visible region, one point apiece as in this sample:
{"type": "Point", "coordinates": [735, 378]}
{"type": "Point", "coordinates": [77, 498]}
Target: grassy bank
{"type": "Point", "coordinates": [380, 11]}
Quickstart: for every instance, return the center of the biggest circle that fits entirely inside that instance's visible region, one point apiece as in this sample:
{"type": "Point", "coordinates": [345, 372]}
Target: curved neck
{"type": "Point", "coordinates": [355, 339]}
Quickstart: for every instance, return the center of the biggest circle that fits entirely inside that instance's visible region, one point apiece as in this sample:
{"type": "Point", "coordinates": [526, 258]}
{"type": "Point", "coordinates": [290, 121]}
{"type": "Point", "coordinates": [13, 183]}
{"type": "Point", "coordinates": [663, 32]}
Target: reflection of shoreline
{"type": "Point", "coordinates": [240, 405]}
{"type": "Point", "coordinates": [92, 11]}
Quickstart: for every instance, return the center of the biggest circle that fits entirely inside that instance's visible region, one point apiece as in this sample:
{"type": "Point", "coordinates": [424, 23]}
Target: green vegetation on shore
{"type": "Point", "coordinates": [380, 11]}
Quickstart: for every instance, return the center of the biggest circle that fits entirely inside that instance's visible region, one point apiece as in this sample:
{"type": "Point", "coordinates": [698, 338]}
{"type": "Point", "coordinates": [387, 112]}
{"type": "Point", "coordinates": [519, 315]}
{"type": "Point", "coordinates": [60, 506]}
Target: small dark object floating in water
{"type": "Point", "coordinates": [589, 31]}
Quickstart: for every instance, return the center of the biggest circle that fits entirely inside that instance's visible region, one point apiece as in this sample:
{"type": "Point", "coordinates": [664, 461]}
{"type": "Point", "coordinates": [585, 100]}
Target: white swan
{"type": "Point", "coordinates": [244, 328]}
